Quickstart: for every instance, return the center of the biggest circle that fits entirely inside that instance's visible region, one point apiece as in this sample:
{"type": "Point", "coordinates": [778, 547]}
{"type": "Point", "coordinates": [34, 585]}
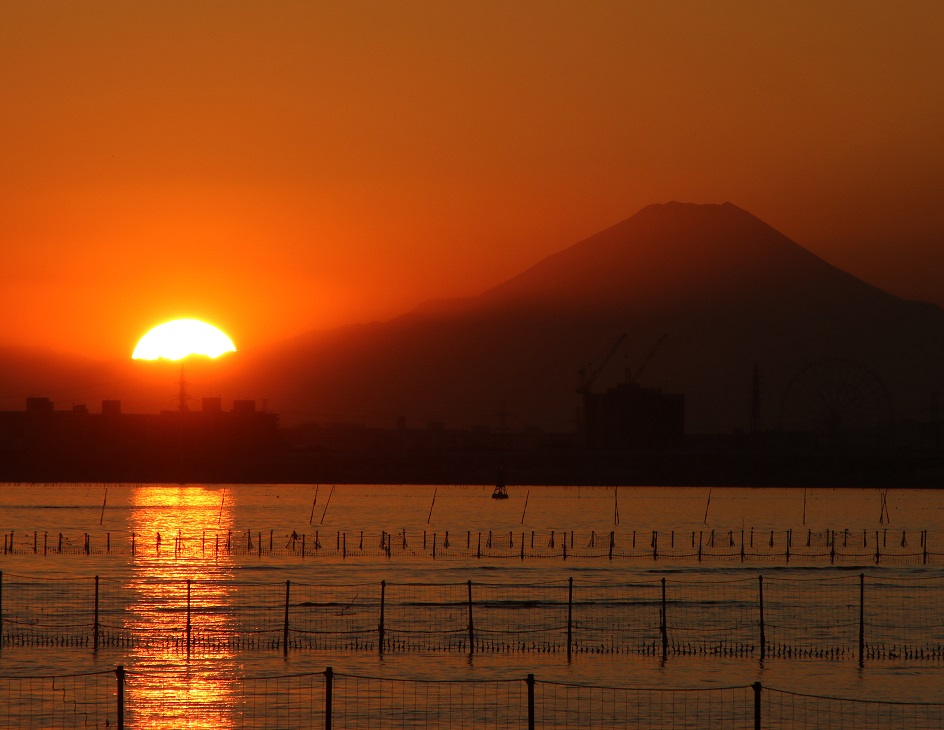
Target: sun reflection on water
{"type": "Point", "coordinates": [184, 669]}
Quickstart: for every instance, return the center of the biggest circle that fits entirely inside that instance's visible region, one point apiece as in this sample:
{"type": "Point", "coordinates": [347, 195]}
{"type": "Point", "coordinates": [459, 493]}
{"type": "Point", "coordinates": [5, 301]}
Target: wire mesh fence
{"type": "Point", "coordinates": [782, 709]}
{"type": "Point", "coordinates": [61, 701]}
{"type": "Point", "coordinates": [559, 705]}
{"type": "Point", "coordinates": [844, 617]}
{"type": "Point", "coordinates": [361, 702]}
{"type": "Point", "coordinates": [835, 547]}
{"type": "Point", "coordinates": [325, 700]}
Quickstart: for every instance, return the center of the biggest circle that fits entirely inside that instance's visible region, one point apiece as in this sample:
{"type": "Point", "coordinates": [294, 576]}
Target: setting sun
{"type": "Point", "coordinates": [182, 337]}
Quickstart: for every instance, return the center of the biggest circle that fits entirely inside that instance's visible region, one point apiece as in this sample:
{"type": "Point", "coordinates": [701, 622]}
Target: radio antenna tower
{"type": "Point", "coordinates": [182, 391]}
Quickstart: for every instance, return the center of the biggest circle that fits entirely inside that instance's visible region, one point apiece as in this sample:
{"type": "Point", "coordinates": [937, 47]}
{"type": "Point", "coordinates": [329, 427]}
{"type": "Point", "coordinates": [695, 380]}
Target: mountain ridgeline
{"type": "Point", "coordinates": [703, 293]}
{"type": "Point", "coordinates": [728, 292]}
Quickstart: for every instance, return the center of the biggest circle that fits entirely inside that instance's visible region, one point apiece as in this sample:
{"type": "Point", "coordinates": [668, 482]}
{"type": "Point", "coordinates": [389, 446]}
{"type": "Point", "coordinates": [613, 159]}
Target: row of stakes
{"type": "Point", "coordinates": [297, 543]}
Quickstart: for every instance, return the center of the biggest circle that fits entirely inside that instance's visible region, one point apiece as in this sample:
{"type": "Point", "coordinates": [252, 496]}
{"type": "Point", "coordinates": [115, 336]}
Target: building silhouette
{"type": "Point", "coordinates": [45, 444]}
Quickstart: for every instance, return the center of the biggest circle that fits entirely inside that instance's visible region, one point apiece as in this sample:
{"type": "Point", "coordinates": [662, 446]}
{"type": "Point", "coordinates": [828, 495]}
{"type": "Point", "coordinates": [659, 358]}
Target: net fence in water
{"type": "Point", "coordinates": [559, 705]}
{"type": "Point", "coordinates": [885, 546]}
{"type": "Point", "coordinates": [139, 699]}
{"type": "Point", "coordinates": [60, 701]}
{"type": "Point", "coordinates": [782, 709]}
{"type": "Point", "coordinates": [361, 702]}
{"type": "Point", "coordinates": [713, 617]}
{"type": "Point", "coordinates": [611, 618]}
{"type": "Point", "coordinates": [832, 616]}
{"type": "Point", "coordinates": [844, 617]}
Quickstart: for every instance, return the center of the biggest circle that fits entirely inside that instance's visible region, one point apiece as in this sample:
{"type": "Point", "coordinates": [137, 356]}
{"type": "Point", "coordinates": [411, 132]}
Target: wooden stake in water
{"type": "Point", "coordinates": [526, 496]}
{"type": "Point", "coordinates": [219, 520]}
{"type": "Point", "coordinates": [312, 515]}
{"type": "Point", "coordinates": [330, 494]}
{"type": "Point", "coordinates": [707, 505]}
{"type": "Point", "coordinates": [430, 515]}
{"type": "Point", "coordinates": [103, 506]}
{"type": "Point", "coordinates": [615, 505]}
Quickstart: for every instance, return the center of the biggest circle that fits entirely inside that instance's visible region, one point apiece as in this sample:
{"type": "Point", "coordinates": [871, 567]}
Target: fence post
{"type": "Point", "coordinates": [329, 687]}
{"type": "Point", "coordinates": [763, 634]}
{"type": "Point", "coordinates": [530, 683]}
{"type": "Point", "coordinates": [570, 616]}
{"type": "Point", "coordinates": [288, 584]}
{"type": "Point", "coordinates": [663, 627]}
{"type": "Point", "coordinates": [471, 625]}
{"type": "Point", "coordinates": [188, 616]}
{"type": "Point", "coordinates": [95, 624]}
{"type": "Point", "coordinates": [757, 690]}
{"type": "Point", "coordinates": [612, 540]}
{"type": "Point", "coordinates": [861, 619]}
{"type": "Point", "coordinates": [120, 675]}
{"type": "Point", "coordinates": [380, 628]}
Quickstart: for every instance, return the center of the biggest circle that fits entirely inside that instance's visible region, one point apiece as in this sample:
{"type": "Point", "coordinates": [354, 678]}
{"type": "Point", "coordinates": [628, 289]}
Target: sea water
{"type": "Point", "coordinates": [111, 531]}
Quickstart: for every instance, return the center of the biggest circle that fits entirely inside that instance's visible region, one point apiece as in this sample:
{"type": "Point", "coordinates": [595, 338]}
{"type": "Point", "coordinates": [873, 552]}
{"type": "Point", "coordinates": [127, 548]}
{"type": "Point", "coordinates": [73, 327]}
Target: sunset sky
{"type": "Point", "coordinates": [276, 167]}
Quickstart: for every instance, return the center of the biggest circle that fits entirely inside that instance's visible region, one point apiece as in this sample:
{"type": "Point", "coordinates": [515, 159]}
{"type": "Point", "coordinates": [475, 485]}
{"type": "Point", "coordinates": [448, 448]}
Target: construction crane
{"type": "Point", "coordinates": [633, 378]}
{"type": "Point", "coordinates": [586, 382]}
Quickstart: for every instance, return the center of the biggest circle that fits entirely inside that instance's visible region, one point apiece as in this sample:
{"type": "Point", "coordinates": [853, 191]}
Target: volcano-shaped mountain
{"type": "Point", "coordinates": [727, 290]}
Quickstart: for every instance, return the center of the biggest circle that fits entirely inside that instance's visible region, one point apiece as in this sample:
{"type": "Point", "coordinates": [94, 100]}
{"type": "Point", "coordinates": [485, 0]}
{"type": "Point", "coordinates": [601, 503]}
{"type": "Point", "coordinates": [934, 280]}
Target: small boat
{"type": "Point", "coordinates": [500, 491]}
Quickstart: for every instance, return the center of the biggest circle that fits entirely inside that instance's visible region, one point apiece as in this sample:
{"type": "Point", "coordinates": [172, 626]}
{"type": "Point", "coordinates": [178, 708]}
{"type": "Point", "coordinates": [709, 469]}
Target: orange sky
{"type": "Point", "coordinates": [274, 167]}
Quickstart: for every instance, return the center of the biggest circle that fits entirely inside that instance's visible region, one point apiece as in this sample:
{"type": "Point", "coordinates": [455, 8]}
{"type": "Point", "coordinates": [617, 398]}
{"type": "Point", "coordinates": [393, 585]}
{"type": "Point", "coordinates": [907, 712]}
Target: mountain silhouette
{"type": "Point", "coordinates": [719, 290]}
{"type": "Point", "coordinates": [728, 290]}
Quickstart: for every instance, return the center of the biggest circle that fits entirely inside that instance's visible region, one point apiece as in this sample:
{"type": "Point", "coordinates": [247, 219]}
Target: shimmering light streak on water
{"type": "Point", "coordinates": [195, 683]}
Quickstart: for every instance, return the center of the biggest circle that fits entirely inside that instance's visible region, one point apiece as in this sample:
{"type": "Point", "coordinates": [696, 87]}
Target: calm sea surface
{"type": "Point", "coordinates": [346, 529]}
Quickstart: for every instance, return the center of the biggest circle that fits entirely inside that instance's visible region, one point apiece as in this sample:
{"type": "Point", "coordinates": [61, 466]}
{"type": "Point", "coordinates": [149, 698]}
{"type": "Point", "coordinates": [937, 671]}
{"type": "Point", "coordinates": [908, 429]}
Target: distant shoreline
{"type": "Point", "coordinates": [551, 469]}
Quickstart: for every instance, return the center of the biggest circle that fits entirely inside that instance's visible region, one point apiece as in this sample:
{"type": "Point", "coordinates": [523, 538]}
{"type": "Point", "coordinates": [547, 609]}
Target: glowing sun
{"type": "Point", "coordinates": [182, 337]}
